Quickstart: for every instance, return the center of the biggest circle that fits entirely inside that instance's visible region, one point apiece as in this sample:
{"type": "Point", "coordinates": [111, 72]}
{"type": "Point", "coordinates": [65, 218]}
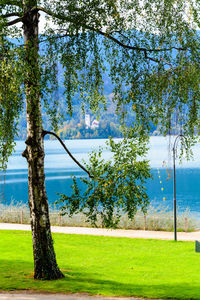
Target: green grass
{"type": "Point", "coordinates": [105, 266]}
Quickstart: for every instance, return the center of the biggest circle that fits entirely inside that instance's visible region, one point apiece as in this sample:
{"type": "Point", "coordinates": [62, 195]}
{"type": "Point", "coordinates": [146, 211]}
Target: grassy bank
{"type": "Point", "coordinates": [105, 266]}
{"type": "Point", "coordinates": [155, 219]}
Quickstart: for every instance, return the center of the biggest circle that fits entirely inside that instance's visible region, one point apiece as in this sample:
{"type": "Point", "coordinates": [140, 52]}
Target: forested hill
{"type": "Point", "coordinates": [75, 127]}
{"type": "Point", "coordinates": [103, 125]}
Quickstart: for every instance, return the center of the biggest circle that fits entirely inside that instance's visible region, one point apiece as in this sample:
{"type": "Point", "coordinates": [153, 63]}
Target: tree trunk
{"type": "Point", "coordinates": [45, 266]}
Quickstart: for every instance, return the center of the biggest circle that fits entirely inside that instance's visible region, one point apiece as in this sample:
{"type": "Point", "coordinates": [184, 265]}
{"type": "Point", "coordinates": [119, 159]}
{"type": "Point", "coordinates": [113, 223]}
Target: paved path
{"type": "Point", "coordinates": [181, 236]}
{"type": "Point", "coordinates": [25, 296]}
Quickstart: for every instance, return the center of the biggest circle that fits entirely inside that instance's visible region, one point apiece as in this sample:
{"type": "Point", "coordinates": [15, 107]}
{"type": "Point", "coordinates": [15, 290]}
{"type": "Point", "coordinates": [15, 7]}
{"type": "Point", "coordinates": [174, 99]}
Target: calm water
{"type": "Point", "coordinates": [59, 167]}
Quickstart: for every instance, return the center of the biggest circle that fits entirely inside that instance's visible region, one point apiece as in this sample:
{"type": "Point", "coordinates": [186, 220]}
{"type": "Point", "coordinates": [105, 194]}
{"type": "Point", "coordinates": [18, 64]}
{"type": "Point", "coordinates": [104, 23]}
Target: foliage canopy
{"type": "Point", "coordinates": [150, 50]}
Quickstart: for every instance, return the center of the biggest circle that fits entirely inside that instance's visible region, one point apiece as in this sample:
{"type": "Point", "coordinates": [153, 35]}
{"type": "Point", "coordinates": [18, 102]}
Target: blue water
{"type": "Point", "coordinates": [59, 168]}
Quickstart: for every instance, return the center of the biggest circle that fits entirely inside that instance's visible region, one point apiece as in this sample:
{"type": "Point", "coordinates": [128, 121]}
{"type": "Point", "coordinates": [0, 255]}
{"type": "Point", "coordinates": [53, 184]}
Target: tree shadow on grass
{"type": "Point", "coordinates": [96, 284]}
{"type": "Point", "coordinates": [18, 275]}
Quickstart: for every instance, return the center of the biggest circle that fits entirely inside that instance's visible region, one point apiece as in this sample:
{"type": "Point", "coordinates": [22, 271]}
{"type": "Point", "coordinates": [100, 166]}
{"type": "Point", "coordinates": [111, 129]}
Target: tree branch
{"type": "Point", "coordinates": [158, 60]}
{"type": "Point", "coordinates": [14, 14]}
{"type": "Point", "coordinates": [125, 46]}
{"type": "Point", "coordinates": [13, 22]}
{"type": "Point", "coordinates": [72, 157]}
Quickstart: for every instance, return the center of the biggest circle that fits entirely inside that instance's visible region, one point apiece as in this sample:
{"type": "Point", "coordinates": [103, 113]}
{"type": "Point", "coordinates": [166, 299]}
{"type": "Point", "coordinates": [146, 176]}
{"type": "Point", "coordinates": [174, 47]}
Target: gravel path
{"type": "Point", "coordinates": [163, 235]}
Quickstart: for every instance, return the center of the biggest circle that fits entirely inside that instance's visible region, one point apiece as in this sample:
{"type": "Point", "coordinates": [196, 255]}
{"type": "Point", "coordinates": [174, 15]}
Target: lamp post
{"type": "Point", "coordinates": [180, 136]}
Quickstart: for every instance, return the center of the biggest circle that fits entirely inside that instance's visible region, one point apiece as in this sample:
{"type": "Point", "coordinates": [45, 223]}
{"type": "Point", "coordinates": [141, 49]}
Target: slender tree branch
{"type": "Point", "coordinates": [144, 49]}
{"type": "Point", "coordinates": [166, 62]}
{"type": "Point", "coordinates": [67, 150]}
{"type": "Point", "coordinates": [107, 35]}
{"type": "Point", "coordinates": [158, 60]}
{"type": "Point", "coordinates": [14, 14]}
{"type": "Point", "coordinates": [13, 22]}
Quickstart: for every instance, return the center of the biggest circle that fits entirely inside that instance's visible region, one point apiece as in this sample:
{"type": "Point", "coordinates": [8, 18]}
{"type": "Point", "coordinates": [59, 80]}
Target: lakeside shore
{"type": "Point", "coordinates": [154, 220]}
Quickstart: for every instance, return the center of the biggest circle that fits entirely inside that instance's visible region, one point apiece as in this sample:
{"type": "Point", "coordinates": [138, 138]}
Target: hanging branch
{"type": "Point", "coordinates": [72, 157]}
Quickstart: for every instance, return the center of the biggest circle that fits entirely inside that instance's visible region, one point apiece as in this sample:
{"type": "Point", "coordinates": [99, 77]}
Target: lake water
{"type": "Point", "coordinates": [59, 167]}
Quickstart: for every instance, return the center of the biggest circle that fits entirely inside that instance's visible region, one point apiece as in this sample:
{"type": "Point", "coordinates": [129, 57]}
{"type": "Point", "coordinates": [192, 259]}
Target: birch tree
{"type": "Point", "coordinates": [150, 49]}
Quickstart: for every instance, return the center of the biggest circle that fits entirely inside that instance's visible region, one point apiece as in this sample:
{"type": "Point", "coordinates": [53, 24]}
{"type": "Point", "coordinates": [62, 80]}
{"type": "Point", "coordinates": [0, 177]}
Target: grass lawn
{"type": "Point", "coordinates": [105, 266]}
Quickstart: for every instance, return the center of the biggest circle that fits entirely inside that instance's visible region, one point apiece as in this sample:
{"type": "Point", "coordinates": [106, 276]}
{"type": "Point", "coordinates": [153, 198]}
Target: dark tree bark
{"type": "Point", "coordinates": [45, 265]}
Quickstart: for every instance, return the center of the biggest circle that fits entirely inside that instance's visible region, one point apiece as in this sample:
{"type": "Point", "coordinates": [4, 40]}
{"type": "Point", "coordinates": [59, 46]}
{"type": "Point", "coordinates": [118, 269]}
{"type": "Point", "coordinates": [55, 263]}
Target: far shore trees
{"type": "Point", "coordinates": [150, 49]}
